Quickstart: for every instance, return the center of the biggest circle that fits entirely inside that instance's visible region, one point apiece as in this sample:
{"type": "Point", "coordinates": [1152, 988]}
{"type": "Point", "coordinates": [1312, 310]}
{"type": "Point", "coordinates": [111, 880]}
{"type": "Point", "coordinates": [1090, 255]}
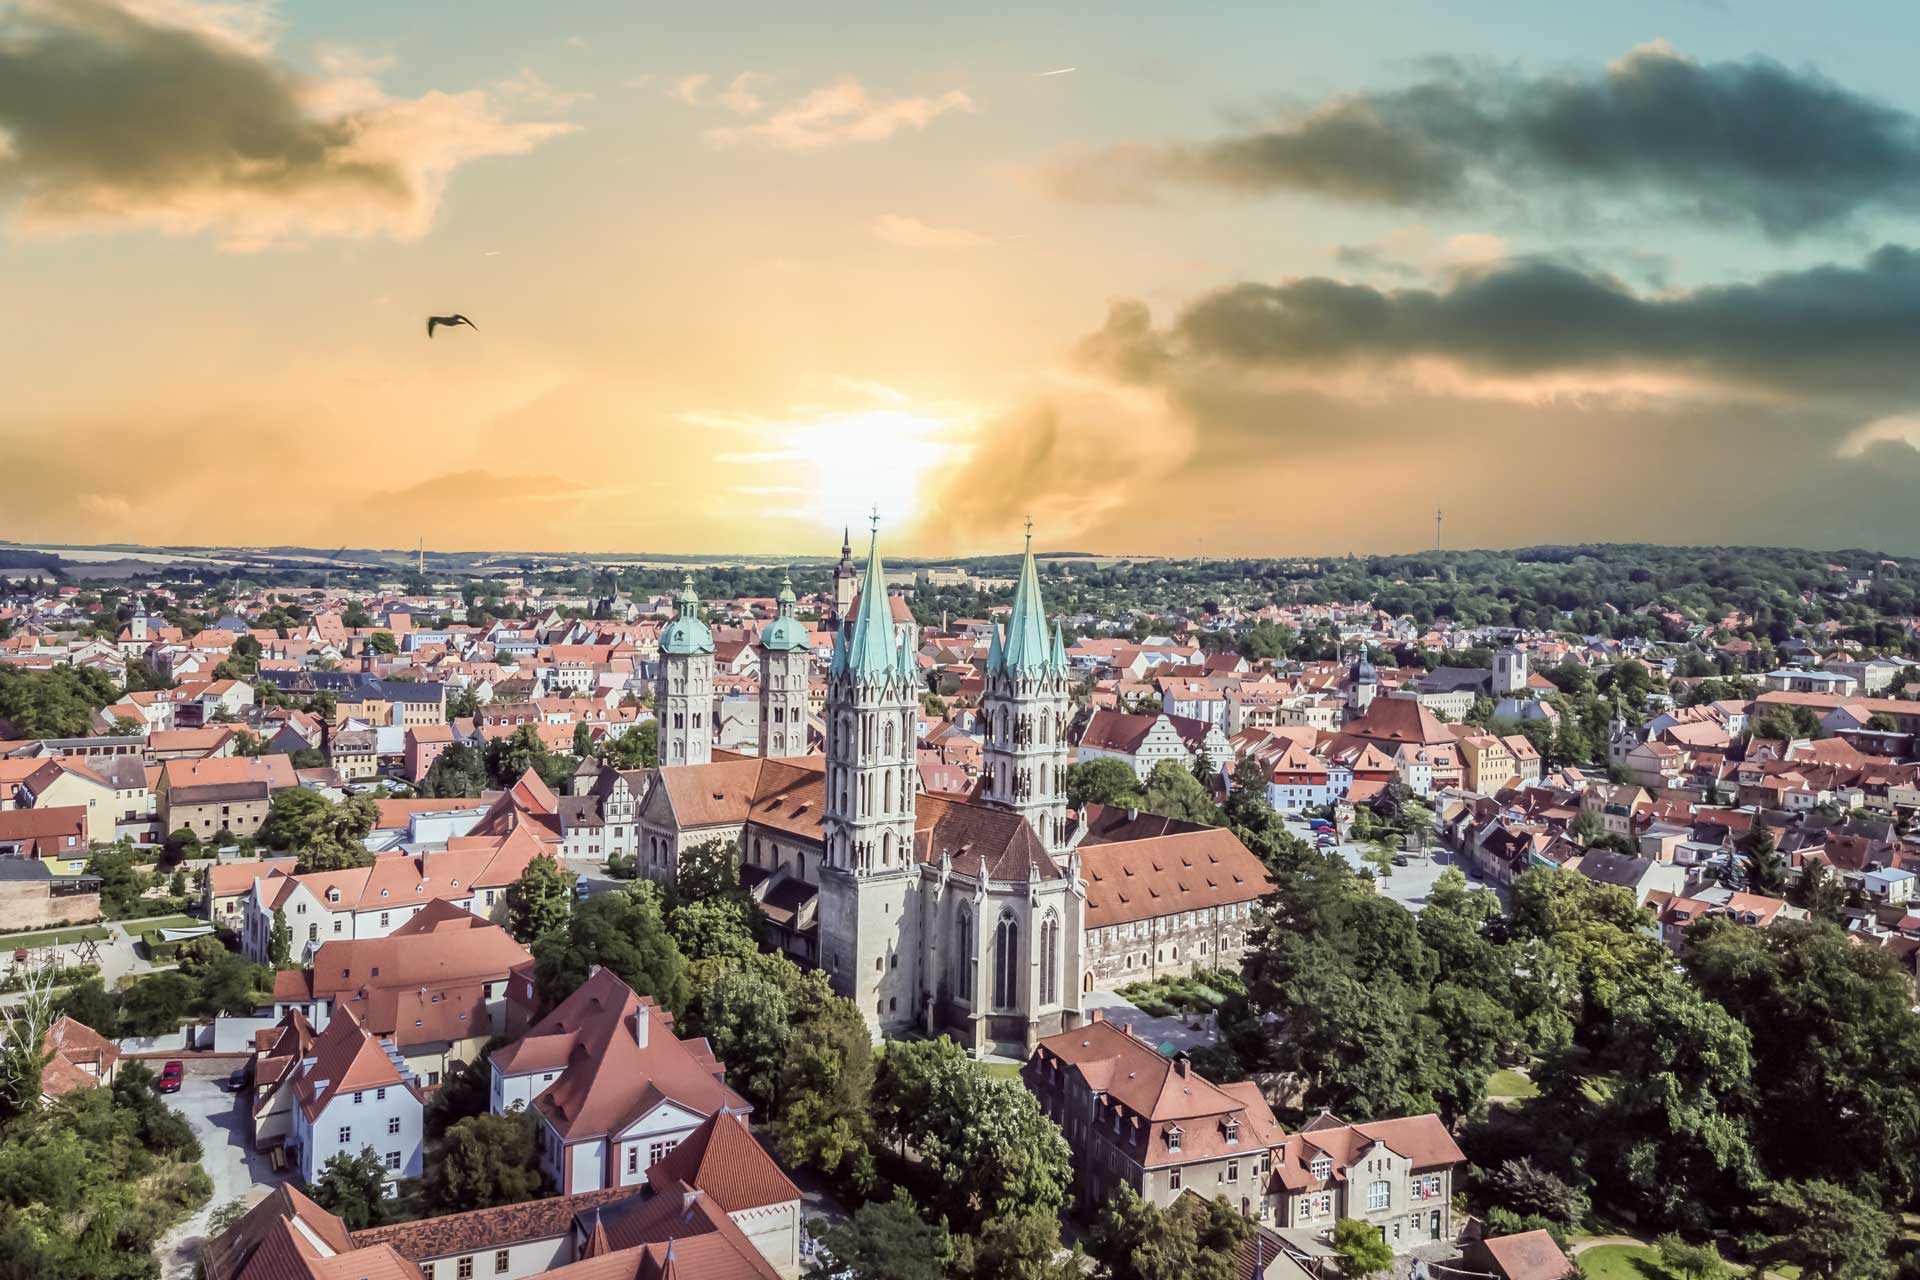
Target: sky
{"type": "Point", "coordinates": [1249, 278]}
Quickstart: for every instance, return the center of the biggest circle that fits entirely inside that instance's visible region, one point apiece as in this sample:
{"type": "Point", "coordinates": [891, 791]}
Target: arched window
{"type": "Point", "coordinates": [889, 785]}
{"type": "Point", "coordinates": [1049, 959]}
{"type": "Point", "coordinates": [1006, 962]}
{"type": "Point", "coordinates": [889, 746]}
{"type": "Point", "coordinates": [886, 848]}
{"type": "Point", "coordinates": [963, 955]}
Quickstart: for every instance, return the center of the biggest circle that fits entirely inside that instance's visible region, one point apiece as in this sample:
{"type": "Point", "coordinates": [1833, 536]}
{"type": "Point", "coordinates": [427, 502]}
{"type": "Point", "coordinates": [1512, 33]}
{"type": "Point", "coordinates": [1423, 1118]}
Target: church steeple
{"type": "Point", "coordinates": [1025, 709]}
{"type": "Point", "coordinates": [872, 653]}
{"type": "Point", "coordinates": [784, 661]}
{"type": "Point", "coordinates": [843, 576]}
{"type": "Point", "coordinates": [683, 696]}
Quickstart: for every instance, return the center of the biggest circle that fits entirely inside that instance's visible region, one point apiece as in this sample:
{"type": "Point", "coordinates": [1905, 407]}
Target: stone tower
{"type": "Point", "coordinates": [1362, 685]}
{"type": "Point", "coordinates": [1026, 711]}
{"type": "Point", "coordinates": [869, 921]}
{"type": "Point", "coordinates": [785, 660]}
{"type": "Point", "coordinates": [683, 696]}
{"type": "Point", "coordinates": [844, 581]}
{"type": "Point", "coordinates": [1509, 671]}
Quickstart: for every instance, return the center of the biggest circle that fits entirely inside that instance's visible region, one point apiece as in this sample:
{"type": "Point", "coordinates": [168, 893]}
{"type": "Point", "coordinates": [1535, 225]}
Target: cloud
{"type": "Point", "coordinates": [839, 114]}
{"type": "Point", "coordinates": [1840, 331]}
{"type": "Point", "coordinates": [911, 233]}
{"type": "Point", "coordinates": [179, 118]}
{"type": "Point", "coordinates": [527, 86]}
{"type": "Point", "coordinates": [738, 97]}
{"type": "Point", "coordinates": [1749, 142]}
{"type": "Point", "coordinates": [687, 89]}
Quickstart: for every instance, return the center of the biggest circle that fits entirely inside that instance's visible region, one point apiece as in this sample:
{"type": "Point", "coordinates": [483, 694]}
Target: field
{"type": "Point", "coordinates": [1511, 1084]}
{"type": "Point", "coordinates": [1624, 1262]}
{"type": "Point", "coordinates": [55, 937]}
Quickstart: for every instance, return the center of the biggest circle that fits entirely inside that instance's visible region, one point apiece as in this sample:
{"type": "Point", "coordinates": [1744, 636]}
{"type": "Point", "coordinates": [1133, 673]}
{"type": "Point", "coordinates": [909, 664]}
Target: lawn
{"type": "Point", "coordinates": [1623, 1262]}
{"type": "Point", "coordinates": [165, 922]}
{"type": "Point", "coordinates": [1004, 1070]}
{"type": "Point", "coordinates": [1511, 1084]}
{"type": "Point", "coordinates": [54, 937]}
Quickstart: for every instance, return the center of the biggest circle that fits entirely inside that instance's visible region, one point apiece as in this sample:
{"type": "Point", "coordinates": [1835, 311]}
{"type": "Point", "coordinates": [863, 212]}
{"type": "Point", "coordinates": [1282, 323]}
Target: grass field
{"type": "Point", "coordinates": [54, 937]}
{"type": "Point", "coordinates": [165, 922]}
{"type": "Point", "coordinates": [1511, 1084]}
{"type": "Point", "coordinates": [1624, 1262]}
{"type": "Point", "coordinates": [1005, 1070]}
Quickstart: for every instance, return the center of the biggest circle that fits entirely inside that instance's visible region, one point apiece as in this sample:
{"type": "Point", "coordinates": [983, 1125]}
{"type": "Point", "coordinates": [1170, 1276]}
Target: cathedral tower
{"type": "Point", "coordinates": [1026, 711]}
{"type": "Point", "coordinates": [785, 660]}
{"type": "Point", "coordinates": [683, 696]}
{"type": "Point", "coordinates": [844, 582]}
{"type": "Point", "coordinates": [869, 935]}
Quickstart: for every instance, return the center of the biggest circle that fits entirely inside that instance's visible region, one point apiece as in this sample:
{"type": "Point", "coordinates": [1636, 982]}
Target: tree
{"type": "Point", "coordinates": [459, 771]}
{"type": "Point", "coordinates": [121, 881]}
{"type": "Point", "coordinates": [90, 1003]}
{"type": "Point", "coordinates": [883, 1240]}
{"type": "Point", "coordinates": [1363, 1250]}
{"type": "Point", "coordinates": [1826, 1231]}
{"type": "Point", "coordinates": [1106, 781]}
{"type": "Point", "coordinates": [715, 928]}
{"type": "Point", "coordinates": [323, 834]}
{"type": "Point", "coordinates": [24, 1054]}
{"type": "Point", "coordinates": [1173, 792]}
{"type": "Point", "coordinates": [623, 931]}
{"type": "Point", "coordinates": [1690, 1261]}
{"type": "Point", "coordinates": [1822, 893]}
{"type": "Point", "coordinates": [710, 869]}
{"type": "Point", "coordinates": [465, 1091]}
{"type": "Point", "coordinates": [635, 749]}
{"type": "Point", "coordinates": [280, 942]}
{"type": "Point", "coordinates": [383, 642]}
{"type": "Point", "coordinates": [541, 900]}
{"type": "Point", "coordinates": [354, 1188]}
{"type": "Point", "coordinates": [509, 759]}
{"type": "Point", "coordinates": [56, 703]}
{"type": "Point", "coordinates": [1528, 1190]}
{"type": "Point", "coordinates": [1133, 1239]}
{"type": "Point", "coordinates": [486, 1160]}
{"type": "Point", "coordinates": [156, 1004]}
{"type": "Point", "coordinates": [1766, 869]}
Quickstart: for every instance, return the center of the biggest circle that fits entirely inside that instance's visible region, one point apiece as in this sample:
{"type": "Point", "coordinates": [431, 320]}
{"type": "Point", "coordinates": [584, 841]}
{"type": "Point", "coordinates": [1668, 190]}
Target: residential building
{"type": "Point", "coordinates": [612, 1087]}
{"type": "Point", "coordinates": [351, 1093]}
{"type": "Point", "coordinates": [1135, 1118]}
{"type": "Point", "coordinates": [1397, 1175]}
{"type": "Point", "coordinates": [1143, 741]}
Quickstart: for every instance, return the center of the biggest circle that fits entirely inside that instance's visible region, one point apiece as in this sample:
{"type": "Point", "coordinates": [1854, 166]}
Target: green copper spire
{"type": "Point", "coordinates": [784, 632]}
{"type": "Point", "coordinates": [686, 634]}
{"type": "Point", "coordinates": [870, 649]}
{"type": "Point", "coordinates": [1027, 649]}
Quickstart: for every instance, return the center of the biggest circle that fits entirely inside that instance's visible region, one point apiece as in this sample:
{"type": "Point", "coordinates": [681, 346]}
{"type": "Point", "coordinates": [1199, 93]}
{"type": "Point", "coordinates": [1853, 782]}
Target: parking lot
{"type": "Point", "coordinates": [1410, 885]}
{"type": "Point", "coordinates": [220, 1122]}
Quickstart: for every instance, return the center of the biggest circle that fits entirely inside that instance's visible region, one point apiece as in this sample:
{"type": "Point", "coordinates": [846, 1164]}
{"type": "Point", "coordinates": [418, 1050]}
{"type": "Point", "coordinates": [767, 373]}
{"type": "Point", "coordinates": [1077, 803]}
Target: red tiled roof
{"type": "Point", "coordinates": [722, 1160]}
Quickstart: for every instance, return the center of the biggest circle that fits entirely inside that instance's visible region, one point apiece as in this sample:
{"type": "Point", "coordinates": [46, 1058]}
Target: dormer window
{"type": "Point", "coordinates": [1322, 1168]}
{"type": "Point", "coordinates": [1173, 1137]}
{"type": "Point", "coordinates": [1233, 1131]}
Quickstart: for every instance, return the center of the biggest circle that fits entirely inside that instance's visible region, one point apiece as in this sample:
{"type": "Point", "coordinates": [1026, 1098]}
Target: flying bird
{"type": "Point", "coordinates": [449, 321]}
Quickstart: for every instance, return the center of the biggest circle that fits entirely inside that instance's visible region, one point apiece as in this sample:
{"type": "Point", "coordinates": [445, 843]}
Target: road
{"type": "Point", "coordinates": [220, 1122]}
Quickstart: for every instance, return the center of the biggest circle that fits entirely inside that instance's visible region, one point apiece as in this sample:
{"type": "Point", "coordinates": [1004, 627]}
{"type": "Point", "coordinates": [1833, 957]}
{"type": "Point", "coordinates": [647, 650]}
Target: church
{"type": "Point", "coordinates": [933, 914]}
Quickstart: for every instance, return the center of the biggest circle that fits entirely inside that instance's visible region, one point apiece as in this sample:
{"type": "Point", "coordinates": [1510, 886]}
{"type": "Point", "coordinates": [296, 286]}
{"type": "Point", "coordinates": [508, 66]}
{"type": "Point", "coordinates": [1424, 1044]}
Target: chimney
{"type": "Point", "coordinates": [689, 1196]}
{"type": "Point", "coordinates": [640, 1023]}
{"type": "Point", "coordinates": [1182, 1067]}
{"type": "Point", "coordinates": [1097, 1015]}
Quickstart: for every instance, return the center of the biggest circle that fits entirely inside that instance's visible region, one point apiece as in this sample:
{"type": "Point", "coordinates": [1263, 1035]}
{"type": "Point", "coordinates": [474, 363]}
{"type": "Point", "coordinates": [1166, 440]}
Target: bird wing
{"type": "Point", "coordinates": [463, 320]}
{"type": "Point", "coordinates": [432, 321]}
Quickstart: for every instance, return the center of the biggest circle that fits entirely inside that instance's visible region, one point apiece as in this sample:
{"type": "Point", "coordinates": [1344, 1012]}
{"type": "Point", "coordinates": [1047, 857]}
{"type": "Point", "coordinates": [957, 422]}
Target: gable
{"type": "Point", "coordinates": [666, 1116]}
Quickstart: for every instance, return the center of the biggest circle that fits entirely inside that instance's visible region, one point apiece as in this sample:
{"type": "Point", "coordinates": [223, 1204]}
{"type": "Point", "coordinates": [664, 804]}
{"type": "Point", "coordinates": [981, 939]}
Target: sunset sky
{"type": "Point", "coordinates": [1263, 278]}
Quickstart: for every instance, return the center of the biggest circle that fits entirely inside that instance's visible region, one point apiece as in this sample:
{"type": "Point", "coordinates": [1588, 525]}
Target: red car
{"type": "Point", "coordinates": [170, 1076]}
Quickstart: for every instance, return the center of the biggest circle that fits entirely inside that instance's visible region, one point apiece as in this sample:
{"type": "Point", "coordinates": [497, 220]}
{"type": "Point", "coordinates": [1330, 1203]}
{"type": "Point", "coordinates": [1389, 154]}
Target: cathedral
{"type": "Point", "coordinates": [933, 914]}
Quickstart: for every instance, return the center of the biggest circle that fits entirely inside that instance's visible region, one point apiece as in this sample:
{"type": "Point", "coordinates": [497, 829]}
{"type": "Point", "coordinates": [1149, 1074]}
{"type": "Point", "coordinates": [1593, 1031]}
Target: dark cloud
{"type": "Point", "coordinates": [108, 115]}
{"type": "Point", "coordinates": [1750, 142]}
{"type": "Point", "coordinates": [1836, 330]}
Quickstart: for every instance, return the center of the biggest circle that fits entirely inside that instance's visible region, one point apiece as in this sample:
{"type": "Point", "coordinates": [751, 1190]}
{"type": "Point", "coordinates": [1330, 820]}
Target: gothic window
{"type": "Point", "coordinates": [886, 848]}
{"type": "Point", "coordinates": [967, 956]}
{"type": "Point", "coordinates": [889, 746]}
{"type": "Point", "coordinates": [1006, 962]}
{"type": "Point", "coordinates": [1049, 958]}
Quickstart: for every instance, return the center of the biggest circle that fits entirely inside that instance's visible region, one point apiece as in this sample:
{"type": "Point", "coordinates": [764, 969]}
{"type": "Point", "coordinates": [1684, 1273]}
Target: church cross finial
{"type": "Point", "coordinates": [876, 517]}
{"type": "Point", "coordinates": [1029, 528]}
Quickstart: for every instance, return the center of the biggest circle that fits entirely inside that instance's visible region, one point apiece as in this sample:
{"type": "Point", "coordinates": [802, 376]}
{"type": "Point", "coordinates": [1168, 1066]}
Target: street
{"type": "Point", "coordinates": [219, 1120]}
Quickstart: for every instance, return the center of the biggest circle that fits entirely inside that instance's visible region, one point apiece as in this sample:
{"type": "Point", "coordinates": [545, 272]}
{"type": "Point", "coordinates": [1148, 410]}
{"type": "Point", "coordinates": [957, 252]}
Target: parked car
{"type": "Point", "coordinates": [237, 1081]}
{"type": "Point", "coordinates": [171, 1074]}
{"type": "Point", "coordinates": [1402, 860]}
{"type": "Point", "coordinates": [581, 890]}
{"type": "Point", "coordinates": [1320, 824]}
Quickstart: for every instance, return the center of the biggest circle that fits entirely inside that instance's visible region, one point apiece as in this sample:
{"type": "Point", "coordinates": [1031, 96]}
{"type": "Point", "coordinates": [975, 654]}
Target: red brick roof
{"type": "Point", "coordinates": [722, 1160]}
